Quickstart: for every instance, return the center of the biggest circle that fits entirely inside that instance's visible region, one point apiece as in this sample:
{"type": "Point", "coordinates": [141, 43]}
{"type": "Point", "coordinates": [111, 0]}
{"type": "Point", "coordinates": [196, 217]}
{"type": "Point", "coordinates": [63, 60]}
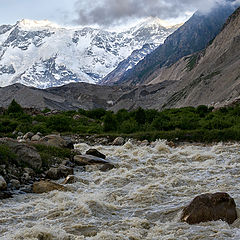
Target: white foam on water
{"type": "Point", "coordinates": [140, 199]}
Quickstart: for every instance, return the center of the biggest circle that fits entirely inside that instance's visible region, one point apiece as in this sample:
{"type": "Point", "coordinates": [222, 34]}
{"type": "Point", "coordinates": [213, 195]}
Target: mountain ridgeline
{"type": "Point", "coordinates": [191, 37]}
{"type": "Point", "coordinates": [210, 77]}
{"type": "Point", "coordinates": [42, 54]}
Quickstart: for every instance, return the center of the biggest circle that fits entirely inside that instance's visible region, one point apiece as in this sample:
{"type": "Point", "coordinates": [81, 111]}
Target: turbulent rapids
{"type": "Point", "coordinates": [140, 199]}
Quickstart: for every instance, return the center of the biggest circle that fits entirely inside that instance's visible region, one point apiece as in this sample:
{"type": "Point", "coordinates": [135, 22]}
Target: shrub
{"type": "Point", "coordinates": [109, 122]}
{"type": "Point", "coordinates": [59, 123]}
{"type": "Point", "coordinates": [140, 116]}
{"type": "Point", "coordinates": [129, 126]}
{"type": "Point", "coordinates": [14, 108]}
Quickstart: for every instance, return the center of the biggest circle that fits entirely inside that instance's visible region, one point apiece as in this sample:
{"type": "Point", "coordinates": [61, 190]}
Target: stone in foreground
{"type": "Point", "coordinates": [210, 207]}
{"type": "Point", "coordinates": [47, 186]}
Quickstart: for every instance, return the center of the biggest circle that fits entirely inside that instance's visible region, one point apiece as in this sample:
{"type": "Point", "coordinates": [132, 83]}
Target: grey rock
{"type": "Point", "coordinates": [96, 153]}
{"type": "Point", "coordinates": [3, 184]}
{"type": "Point", "coordinates": [25, 154]}
{"type": "Point", "coordinates": [92, 162]}
{"type": "Point", "coordinates": [28, 135]}
{"type": "Point", "coordinates": [118, 141]}
{"type": "Point", "coordinates": [36, 137]}
{"type": "Point", "coordinates": [15, 184]}
{"type": "Point", "coordinates": [54, 140]}
{"type": "Point", "coordinates": [83, 160]}
{"type": "Point", "coordinates": [59, 172]}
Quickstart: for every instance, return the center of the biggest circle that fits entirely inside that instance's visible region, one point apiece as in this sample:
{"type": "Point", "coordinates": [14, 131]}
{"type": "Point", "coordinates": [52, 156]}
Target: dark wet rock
{"type": "Point", "coordinates": [26, 189]}
{"type": "Point", "coordinates": [59, 172]}
{"type": "Point", "coordinates": [69, 142]}
{"type": "Point", "coordinates": [3, 184]}
{"type": "Point", "coordinates": [83, 160]}
{"type": "Point", "coordinates": [118, 141]}
{"type": "Point", "coordinates": [210, 207]}
{"type": "Point", "coordinates": [5, 195]}
{"type": "Point", "coordinates": [96, 153]}
{"type": "Point", "coordinates": [70, 179]}
{"type": "Point", "coordinates": [106, 167]}
{"type": "Point", "coordinates": [47, 186]}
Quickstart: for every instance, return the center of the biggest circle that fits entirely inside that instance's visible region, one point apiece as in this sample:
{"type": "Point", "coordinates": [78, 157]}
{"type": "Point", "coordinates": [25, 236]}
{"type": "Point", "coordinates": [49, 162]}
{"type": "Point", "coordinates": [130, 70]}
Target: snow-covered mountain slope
{"type": "Point", "coordinates": [43, 54]}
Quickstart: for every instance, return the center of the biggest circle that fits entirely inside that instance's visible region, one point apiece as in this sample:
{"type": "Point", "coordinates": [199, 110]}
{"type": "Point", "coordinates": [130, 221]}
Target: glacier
{"type": "Point", "coordinates": [43, 54]}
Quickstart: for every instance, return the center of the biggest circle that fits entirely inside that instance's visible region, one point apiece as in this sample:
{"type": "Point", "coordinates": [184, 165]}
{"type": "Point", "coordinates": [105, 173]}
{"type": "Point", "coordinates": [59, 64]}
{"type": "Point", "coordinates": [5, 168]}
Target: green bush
{"type": "Point", "coordinates": [59, 123]}
{"type": "Point", "coordinates": [14, 108]}
{"type": "Point", "coordinates": [109, 122]}
{"type": "Point", "coordinates": [129, 126]}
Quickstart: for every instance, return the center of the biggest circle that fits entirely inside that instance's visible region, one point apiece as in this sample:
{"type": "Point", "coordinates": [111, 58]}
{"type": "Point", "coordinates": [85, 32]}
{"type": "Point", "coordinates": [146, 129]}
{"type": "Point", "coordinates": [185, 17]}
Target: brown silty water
{"type": "Point", "coordinates": [140, 199]}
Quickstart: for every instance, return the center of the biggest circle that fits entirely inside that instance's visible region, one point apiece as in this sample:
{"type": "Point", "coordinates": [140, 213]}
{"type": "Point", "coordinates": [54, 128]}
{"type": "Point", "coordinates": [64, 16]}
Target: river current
{"type": "Point", "coordinates": [140, 199]}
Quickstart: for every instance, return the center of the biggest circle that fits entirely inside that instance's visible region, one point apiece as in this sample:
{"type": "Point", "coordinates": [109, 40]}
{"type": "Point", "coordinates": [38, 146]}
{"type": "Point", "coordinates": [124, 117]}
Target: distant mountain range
{"type": "Point", "coordinates": [191, 37]}
{"type": "Point", "coordinates": [43, 54]}
{"type": "Point", "coordinates": [209, 76]}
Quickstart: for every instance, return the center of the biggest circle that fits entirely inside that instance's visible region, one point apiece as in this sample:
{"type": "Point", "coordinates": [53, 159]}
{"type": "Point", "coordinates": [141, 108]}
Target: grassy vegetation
{"type": "Point", "coordinates": [49, 154]}
{"type": "Point", "coordinates": [6, 155]}
{"type": "Point", "coordinates": [192, 62]}
{"type": "Point", "coordinates": [185, 124]}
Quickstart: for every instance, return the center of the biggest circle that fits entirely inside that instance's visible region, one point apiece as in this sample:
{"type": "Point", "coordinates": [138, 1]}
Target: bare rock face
{"type": "Point", "coordinates": [96, 153]}
{"type": "Point", "coordinates": [45, 186]}
{"type": "Point", "coordinates": [210, 207]}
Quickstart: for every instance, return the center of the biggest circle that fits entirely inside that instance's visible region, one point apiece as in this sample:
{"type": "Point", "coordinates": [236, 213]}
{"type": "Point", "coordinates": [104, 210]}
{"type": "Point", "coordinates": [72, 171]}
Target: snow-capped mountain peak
{"type": "Point", "coordinates": [29, 24]}
{"type": "Point", "coordinates": [44, 54]}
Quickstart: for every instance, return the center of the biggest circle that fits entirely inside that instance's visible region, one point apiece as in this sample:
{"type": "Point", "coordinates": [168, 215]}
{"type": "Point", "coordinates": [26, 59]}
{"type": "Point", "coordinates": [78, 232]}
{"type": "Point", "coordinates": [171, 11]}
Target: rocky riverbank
{"type": "Point", "coordinates": [32, 158]}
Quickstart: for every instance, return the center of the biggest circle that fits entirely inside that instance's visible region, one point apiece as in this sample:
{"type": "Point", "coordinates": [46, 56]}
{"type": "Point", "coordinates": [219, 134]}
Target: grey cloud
{"type": "Point", "coordinates": [108, 12]}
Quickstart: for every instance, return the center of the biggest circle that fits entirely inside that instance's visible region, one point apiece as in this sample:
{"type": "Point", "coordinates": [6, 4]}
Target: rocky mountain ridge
{"type": "Point", "coordinates": [43, 54]}
{"type": "Point", "coordinates": [191, 37]}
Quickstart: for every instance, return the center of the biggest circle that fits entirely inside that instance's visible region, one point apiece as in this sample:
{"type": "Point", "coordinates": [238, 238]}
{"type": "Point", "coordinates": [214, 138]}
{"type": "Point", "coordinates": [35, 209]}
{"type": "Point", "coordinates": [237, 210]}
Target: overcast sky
{"type": "Point", "coordinates": [102, 12]}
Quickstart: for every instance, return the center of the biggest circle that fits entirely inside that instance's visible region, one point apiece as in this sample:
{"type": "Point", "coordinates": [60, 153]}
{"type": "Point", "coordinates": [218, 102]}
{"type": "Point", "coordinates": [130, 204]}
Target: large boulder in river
{"type": "Point", "coordinates": [26, 154]}
{"type": "Point", "coordinates": [84, 160]}
{"type": "Point", "coordinates": [96, 153]}
{"type": "Point", "coordinates": [210, 207]}
{"type": "Point", "coordinates": [46, 186]}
